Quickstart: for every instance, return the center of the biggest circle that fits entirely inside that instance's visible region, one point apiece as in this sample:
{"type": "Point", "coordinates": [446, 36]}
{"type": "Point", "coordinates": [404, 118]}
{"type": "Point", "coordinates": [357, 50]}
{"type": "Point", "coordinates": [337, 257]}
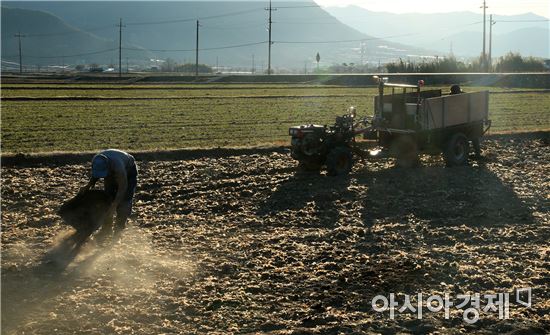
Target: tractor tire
{"type": "Point", "coordinates": [405, 150]}
{"type": "Point", "coordinates": [457, 150]}
{"type": "Point", "coordinates": [339, 161]}
{"type": "Point", "coordinates": [308, 166]}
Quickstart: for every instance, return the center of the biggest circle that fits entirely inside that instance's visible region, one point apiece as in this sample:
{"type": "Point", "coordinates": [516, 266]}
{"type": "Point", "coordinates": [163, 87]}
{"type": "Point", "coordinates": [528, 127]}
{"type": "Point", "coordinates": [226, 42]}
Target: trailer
{"type": "Point", "coordinates": [407, 121]}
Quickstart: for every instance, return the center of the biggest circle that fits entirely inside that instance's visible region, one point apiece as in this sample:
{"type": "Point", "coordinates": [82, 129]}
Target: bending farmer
{"type": "Point", "coordinates": [119, 171]}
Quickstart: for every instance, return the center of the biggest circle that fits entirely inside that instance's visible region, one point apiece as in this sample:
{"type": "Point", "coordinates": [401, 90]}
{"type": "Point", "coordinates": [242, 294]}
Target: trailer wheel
{"type": "Point", "coordinates": [477, 147]}
{"type": "Point", "coordinates": [457, 150]}
{"type": "Point", "coordinates": [405, 150]}
{"type": "Point", "coordinates": [339, 161]}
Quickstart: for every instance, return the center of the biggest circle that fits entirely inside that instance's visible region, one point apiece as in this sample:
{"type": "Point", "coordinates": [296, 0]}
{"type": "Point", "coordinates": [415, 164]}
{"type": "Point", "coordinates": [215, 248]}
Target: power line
{"type": "Point", "coordinates": [75, 55]}
{"type": "Point", "coordinates": [371, 38]}
{"type": "Point", "coordinates": [305, 22]}
{"type": "Point", "coordinates": [79, 31]}
{"type": "Point", "coordinates": [234, 27]}
{"type": "Point", "coordinates": [304, 6]}
{"type": "Point", "coordinates": [235, 46]}
{"type": "Point", "coordinates": [345, 41]}
{"type": "Point", "coordinates": [546, 20]}
{"type": "Point", "coordinates": [201, 49]}
{"type": "Point", "coordinates": [270, 41]}
{"type": "Point", "coordinates": [193, 19]}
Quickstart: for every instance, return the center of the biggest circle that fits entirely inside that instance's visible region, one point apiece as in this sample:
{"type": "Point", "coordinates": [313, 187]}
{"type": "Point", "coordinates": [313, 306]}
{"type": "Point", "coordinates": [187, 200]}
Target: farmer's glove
{"type": "Point", "coordinates": [88, 186]}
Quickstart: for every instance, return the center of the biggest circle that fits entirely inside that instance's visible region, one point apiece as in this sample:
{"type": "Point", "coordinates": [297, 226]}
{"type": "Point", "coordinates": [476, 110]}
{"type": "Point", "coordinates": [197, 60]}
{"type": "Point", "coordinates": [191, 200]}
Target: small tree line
{"type": "Point", "coordinates": [511, 62]}
{"type": "Point", "coordinates": [170, 65]}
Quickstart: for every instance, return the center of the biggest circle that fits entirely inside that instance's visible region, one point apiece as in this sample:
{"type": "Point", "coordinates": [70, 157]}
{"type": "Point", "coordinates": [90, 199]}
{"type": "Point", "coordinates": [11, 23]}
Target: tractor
{"type": "Point", "coordinates": [406, 122]}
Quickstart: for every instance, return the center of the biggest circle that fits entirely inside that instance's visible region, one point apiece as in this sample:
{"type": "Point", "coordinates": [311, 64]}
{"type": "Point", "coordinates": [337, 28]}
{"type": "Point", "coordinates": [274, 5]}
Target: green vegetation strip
{"type": "Point", "coordinates": [143, 119]}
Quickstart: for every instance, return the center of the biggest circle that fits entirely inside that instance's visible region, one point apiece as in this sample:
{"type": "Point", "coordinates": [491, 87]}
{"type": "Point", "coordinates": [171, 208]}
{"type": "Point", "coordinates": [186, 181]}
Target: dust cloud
{"type": "Point", "coordinates": [88, 274]}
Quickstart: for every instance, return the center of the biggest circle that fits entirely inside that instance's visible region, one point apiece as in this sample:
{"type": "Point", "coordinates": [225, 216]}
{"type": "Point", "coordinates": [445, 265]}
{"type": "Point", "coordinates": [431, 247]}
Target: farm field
{"type": "Point", "coordinates": [244, 244]}
{"type": "Point", "coordinates": [84, 117]}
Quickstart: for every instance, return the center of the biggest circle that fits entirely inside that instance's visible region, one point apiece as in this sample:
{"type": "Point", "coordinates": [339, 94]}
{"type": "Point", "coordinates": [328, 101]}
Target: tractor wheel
{"type": "Point", "coordinates": [405, 150]}
{"type": "Point", "coordinates": [339, 161]}
{"type": "Point", "coordinates": [457, 150]}
{"type": "Point", "coordinates": [309, 166]}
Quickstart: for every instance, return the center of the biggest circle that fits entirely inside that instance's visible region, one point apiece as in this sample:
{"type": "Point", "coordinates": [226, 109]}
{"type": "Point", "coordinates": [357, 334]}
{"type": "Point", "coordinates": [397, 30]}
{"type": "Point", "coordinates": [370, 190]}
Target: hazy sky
{"type": "Point", "coordinates": [504, 7]}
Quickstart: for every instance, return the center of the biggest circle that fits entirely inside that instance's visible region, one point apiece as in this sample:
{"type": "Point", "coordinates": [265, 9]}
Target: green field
{"type": "Point", "coordinates": [73, 117]}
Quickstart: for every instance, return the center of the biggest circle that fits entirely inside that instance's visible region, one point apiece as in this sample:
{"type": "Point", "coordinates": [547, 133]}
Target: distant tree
{"type": "Point", "coordinates": [95, 68]}
{"type": "Point", "coordinates": [80, 67]}
{"type": "Point", "coordinates": [169, 65]}
{"type": "Point", "coordinates": [190, 68]}
{"type": "Point", "coordinates": [318, 59]}
{"type": "Point", "coordinates": [439, 65]}
{"type": "Point", "coordinates": [513, 62]}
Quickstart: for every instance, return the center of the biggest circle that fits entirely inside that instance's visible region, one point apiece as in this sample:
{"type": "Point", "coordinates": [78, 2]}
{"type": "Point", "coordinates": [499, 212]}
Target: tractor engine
{"type": "Point", "coordinates": [307, 141]}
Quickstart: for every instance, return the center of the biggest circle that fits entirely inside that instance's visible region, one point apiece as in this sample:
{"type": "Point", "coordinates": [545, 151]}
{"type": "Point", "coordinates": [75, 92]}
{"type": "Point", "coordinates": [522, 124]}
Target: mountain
{"type": "Point", "coordinates": [49, 40]}
{"type": "Point", "coordinates": [515, 41]}
{"type": "Point", "coordinates": [462, 29]}
{"type": "Point", "coordinates": [230, 33]}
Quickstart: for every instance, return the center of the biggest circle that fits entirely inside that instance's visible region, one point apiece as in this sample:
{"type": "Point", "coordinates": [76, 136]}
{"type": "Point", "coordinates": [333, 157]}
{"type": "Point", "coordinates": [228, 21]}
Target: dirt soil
{"type": "Point", "coordinates": [243, 244]}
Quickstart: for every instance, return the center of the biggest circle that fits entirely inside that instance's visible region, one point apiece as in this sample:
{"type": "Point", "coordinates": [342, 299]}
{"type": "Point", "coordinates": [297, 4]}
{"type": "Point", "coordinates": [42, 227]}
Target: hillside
{"type": "Point", "coordinates": [48, 40]}
{"type": "Point", "coordinates": [462, 29]}
{"type": "Point", "coordinates": [515, 41]}
{"type": "Point", "coordinates": [298, 27]}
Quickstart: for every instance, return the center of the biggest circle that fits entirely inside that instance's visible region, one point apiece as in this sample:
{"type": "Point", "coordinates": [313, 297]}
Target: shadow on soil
{"type": "Point", "coordinates": [313, 197]}
{"type": "Point", "coordinates": [469, 195]}
{"type": "Point", "coordinates": [26, 290]}
{"type": "Point", "coordinates": [389, 247]}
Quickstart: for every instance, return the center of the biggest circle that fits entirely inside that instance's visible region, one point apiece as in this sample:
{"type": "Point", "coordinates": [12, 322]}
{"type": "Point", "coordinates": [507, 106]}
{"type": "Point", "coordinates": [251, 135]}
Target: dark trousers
{"type": "Point", "coordinates": [124, 209]}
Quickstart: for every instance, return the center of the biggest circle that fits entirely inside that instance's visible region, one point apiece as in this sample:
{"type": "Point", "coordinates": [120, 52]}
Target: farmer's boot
{"type": "Point", "coordinates": [119, 226]}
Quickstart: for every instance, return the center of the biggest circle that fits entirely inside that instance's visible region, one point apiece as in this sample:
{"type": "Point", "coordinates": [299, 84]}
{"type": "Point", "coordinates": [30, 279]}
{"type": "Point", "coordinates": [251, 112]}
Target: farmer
{"type": "Point", "coordinates": [455, 89]}
{"type": "Point", "coordinates": [119, 171]}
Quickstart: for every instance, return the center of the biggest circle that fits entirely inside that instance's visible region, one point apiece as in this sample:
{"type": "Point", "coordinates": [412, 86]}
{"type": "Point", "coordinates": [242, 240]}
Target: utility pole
{"type": "Point", "coordinates": [19, 35]}
{"type": "Point", "coordinates": [483, 54]}
{"type": "Point", "coordinates": [127, 67]}
{"type": "Point", "coordinates": [270, 9]}
{"type": "Point", "coordinates": [120, 48]}
{"type": "Point", "coordinates": [253, 65]}
{"type": "Point", "coordinates": [217, 66]}
{"type": "Point", "coordinates": [363, 51]}
{"type": "Point", "coordinates": [491, 23]}
{"type": "Point", "coordinates": [197, 52]}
